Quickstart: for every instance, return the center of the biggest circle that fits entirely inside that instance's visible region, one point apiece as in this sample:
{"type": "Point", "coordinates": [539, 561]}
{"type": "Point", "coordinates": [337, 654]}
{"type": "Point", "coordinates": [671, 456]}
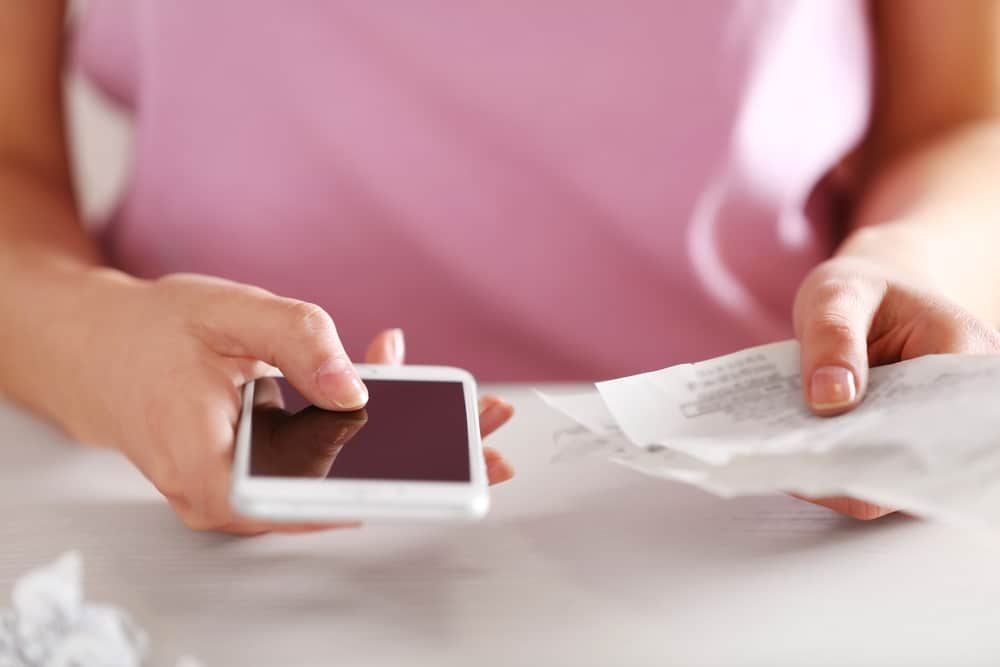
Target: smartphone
{"type": "Point", "coordinates": [414, 452]}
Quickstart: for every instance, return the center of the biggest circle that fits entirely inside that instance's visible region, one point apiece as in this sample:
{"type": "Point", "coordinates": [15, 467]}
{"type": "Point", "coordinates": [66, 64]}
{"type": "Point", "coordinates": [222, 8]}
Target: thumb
{"type": "Point", "coordinates": [298, 337]}
{"type": "Point", "coordinates": [833, 315]}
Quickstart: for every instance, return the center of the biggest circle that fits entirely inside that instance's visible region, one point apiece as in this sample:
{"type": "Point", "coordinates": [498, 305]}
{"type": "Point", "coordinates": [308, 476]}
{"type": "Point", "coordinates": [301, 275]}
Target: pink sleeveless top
{"type": "Point", "coordinates": [536, 189]}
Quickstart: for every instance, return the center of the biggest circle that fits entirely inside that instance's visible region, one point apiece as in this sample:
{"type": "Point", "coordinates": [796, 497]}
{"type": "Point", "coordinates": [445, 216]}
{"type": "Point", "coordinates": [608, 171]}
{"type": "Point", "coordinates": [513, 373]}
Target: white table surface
{"type": "Point", "coordinates": [582, 563]}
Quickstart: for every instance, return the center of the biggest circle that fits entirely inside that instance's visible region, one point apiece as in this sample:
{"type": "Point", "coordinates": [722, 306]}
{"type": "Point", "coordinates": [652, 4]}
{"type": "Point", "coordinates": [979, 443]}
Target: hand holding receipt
{"type": "Point", "coordinates": [924, 439]}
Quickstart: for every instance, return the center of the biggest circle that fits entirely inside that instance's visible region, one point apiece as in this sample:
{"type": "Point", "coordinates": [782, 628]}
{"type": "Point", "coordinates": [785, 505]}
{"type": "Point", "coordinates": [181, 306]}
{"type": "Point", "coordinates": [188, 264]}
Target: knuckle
{"type": "Point", "coordinates": [830, 299]}
{"type": "Point", "coordinates": [176, 285]}
{"type": "Point", "coordinates": [839, 291]}
{"type": "Point", "coordinates": [833, 326]}
{"type": "Point", "coordinates": [198, 516]}
{"type": "Point", "coordinates": [967, 333]}
{"type": "Point", "coordinates": [310, 319]}
{"type": "Point", "coordinates": [190, 515]}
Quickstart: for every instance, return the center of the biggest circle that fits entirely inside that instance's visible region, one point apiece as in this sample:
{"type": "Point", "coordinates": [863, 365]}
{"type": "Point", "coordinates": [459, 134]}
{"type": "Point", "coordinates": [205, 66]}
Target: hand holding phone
{"type": "Point", "coordinates": [161, 382]}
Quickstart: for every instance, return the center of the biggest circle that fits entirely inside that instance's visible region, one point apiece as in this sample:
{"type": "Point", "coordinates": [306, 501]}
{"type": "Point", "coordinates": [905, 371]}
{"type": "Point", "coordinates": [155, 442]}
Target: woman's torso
{"type": "Point", "coordinates": [552, 189]}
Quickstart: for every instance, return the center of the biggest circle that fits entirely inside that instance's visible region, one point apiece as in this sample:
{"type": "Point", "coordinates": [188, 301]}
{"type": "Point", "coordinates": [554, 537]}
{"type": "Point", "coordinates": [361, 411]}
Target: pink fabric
{"type": "Point", "coordinates": [531, 189]}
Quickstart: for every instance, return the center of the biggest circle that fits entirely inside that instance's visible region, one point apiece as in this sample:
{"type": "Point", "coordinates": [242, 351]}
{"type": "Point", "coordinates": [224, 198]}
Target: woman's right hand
{"type": "Point", "coordinates": [161, 380]}
{"type": "Point", "coordinates": [160, 372]}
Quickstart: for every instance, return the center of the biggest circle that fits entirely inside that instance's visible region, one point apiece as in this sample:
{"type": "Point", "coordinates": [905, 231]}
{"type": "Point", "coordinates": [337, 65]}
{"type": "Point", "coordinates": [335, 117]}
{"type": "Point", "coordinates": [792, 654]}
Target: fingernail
{"type": "Point", "coordinates": [341, 384]}
{"type": "Point", "coordinates": [832, 388]}
{"type": "Point", "coordinates": [499, 470]}
{"type": "Point", "coordinates": [397, 345]}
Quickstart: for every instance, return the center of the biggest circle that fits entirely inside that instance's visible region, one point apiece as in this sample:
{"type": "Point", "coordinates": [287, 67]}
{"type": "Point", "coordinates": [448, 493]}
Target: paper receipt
{"type": "Point", "coordinates": [926, 437]}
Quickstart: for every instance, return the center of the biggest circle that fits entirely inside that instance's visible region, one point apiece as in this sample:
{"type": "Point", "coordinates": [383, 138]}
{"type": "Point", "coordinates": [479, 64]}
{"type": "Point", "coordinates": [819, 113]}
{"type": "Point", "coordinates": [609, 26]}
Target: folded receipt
{"type": "Point", "coordinates": [926, 437]}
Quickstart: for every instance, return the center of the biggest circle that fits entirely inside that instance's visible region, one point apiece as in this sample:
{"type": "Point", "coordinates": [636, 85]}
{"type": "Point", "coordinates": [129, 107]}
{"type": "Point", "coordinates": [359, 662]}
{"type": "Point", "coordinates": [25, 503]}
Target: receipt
{"type": "Point", "coordinates": [926, 438]}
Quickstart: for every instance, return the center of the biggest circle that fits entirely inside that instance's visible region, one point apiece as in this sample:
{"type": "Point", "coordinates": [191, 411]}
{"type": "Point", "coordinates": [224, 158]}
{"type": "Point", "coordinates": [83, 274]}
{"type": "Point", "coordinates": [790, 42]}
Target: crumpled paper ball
{"type": "Point", "coordinates": [50, 625]}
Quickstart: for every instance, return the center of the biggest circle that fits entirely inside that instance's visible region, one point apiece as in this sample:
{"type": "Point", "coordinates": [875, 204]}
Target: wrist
{"type": "Point", "coordinates": [50, 356]}
{"type": "Point", "coordinates": [927, 258]}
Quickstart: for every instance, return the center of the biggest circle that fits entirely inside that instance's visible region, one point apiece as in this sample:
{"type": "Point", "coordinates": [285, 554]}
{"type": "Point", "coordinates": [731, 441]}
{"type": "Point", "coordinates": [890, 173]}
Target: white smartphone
{"type": "Point", "coordinates": [413, 452]}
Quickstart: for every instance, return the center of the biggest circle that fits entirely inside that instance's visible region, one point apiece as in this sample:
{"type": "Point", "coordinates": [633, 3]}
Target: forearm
{"type": "Point", "coordinates": [50, 274]}
{"type": "Point", "coordinates": [38, 220]}
{"type": "Point", "coordinates": [934, 215]}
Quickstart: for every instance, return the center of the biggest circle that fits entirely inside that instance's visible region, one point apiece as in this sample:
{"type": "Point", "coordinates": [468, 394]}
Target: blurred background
{"type": "Point", "coordinates": [100, 139]}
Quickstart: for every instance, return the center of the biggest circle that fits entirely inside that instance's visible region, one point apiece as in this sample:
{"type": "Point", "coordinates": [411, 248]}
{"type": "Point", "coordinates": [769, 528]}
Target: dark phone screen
{"type": "Point", "coordinates": [410, 430]}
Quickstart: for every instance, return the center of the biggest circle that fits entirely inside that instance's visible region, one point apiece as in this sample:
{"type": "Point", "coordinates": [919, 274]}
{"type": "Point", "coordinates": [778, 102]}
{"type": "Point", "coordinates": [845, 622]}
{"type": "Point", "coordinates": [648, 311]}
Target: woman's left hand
{"type": "Point", "coordinates": [851, 313]}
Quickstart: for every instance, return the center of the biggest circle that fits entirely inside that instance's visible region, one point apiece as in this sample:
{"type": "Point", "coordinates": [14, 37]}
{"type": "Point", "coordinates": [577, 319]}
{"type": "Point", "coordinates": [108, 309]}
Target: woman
{"type": "Point", "coordinates": [553, 190]}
